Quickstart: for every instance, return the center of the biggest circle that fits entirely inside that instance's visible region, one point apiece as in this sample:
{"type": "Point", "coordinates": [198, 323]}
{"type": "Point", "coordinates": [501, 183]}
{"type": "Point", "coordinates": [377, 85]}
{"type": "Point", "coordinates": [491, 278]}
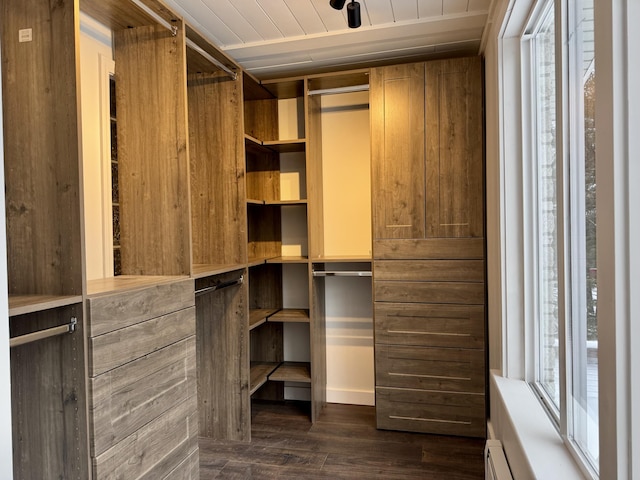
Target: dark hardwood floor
{"type": "Point", "coordinates": [343, 444]}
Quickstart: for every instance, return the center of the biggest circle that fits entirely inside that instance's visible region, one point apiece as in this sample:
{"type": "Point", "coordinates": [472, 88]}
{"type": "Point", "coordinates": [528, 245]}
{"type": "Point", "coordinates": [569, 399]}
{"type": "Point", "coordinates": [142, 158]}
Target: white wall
{"type": "Point", "coordinates": [96, 62]}
{"type": "Point", "coordinates": [346, 162]}
{"type": "Point", "coordinates": [6, 455]}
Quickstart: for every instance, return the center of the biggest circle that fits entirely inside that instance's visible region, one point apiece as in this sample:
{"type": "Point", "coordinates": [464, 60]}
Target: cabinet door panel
{"type": "Point", "coordinates": [397, 151]}
{"type": "Point", "coordinates": [454, 148]}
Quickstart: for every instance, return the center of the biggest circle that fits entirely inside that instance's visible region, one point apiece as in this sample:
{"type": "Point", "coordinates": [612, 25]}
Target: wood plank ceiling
{"type": "Point", "coordinates": [272, 38]}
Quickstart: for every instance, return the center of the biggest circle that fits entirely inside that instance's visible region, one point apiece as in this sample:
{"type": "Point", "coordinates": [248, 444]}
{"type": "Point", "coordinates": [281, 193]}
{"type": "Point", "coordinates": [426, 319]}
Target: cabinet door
{"type": "Point", "coordinates": [454, 148]}
{"type": "Point", "coordinates": [397, 151]}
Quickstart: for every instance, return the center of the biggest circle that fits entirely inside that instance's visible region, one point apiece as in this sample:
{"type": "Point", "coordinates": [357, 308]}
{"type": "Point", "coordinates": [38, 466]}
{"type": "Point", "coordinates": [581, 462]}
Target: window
{"type": "Point", "coordinates": [563, 220]}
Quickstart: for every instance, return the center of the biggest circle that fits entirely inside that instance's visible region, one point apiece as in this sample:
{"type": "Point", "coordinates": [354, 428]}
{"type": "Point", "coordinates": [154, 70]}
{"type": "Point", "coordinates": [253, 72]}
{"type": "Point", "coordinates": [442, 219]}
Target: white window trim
{"type": "Point", "coordinates": [618, 229]}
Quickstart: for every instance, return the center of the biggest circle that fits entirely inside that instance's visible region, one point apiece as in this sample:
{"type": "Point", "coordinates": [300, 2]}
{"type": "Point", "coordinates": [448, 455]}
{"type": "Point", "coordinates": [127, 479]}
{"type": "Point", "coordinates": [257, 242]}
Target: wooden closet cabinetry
{"type": "Point", "coordinates": [428, 246]}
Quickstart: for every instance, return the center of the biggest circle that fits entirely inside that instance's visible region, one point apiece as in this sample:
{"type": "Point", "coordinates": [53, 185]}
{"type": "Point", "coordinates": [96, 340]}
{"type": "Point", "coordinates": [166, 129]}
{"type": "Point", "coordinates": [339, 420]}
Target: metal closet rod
{"type": "Point", "coordinates": [174, 31]}
{"type": "Point", "coordinates": [220, 286]}
{"type": "Point", "coordinates": [341, 273]}
{"type": "Point", "coordinates": [334, 91]}
{"type": "Point", "coordinates": [42, 334]}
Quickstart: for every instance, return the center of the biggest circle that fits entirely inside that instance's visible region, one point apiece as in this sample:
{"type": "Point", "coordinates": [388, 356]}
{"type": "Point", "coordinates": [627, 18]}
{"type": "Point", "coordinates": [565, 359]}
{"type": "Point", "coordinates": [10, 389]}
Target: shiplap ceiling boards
{"type": "Point", "coordinates": [281, 37]}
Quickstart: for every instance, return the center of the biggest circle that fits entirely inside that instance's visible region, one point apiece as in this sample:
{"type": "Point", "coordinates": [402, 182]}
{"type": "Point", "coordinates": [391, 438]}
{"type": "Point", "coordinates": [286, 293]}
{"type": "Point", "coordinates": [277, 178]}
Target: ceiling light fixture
{"type": "Point", "coordinates": [353, 11]}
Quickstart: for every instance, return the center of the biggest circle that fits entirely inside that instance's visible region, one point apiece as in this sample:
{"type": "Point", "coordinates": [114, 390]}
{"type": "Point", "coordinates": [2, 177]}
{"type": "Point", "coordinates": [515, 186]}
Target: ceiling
{"type": "Point", "coordinates": [271, 38]}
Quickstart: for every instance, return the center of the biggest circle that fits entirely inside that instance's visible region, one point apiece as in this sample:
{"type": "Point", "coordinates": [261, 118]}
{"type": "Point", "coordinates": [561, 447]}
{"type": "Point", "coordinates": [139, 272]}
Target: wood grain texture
{"type": "Point", "coordinates": [430, 270]}
{"type": "Point", "coordinates": [462, 293]}
{"type": "Point", "coordinates": [116, 348]}
{"type": "Point", "coordinates": [157, 448]}
{"type": "Point", "coordinates": [430, 325]}
{"type": "Point", "coordinates": [292, 372]}
{"type": "Point", "coordinates": [264, 231]}
{"type": "Point", "coordinates": [438, 369]}
{"type": "Point", "coordinates": [454, 148]}
{"type": "Point", "coordinates": [48, 400]}
{"type": "Point", "coordinates": [112, 312]}
{"type": "Point", "coordinates": [189, 469]}
{"type": "Point", "coordinates": [432, 248]}
{"type": "Point", "coordinates": [343, 443]}
{"type": "Point", "coordinates": [318, 344]}
{"type": "Point", "coordinates": [422, 411]}
{"type": "Point", "coordinates": [222, 330]}
{"type": "Point", "coordinates": [216, 155]}
{"type": "Point", "coordinates": [261, 119]}
{"type": "Point", "coordinates": [266, 344]}
{"type": "Point", "coordinates": [125, 399]}
{"type": "Point", "coordinates": [152, 151]}
{"type": "Point", "coordinates": [41, 148]}
{"type": "Point", "coordinates": [397, 151]}
{"type": "Point", "coordinates": [122, 14]}
{"type": "Point", "coordinates": [286, 315]}
{"type": "Point", "coordinates": [315, 190]}
{"type": "Point", "coordinates": [263, 174]}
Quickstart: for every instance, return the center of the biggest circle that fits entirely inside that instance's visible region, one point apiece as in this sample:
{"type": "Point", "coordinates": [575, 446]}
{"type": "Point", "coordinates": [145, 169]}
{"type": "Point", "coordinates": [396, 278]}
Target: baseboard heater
{"type": "Point", "coordinates": [496, 466]}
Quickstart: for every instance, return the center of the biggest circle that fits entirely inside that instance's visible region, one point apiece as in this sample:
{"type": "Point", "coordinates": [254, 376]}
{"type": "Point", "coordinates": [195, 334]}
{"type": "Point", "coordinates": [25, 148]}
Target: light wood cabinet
{"type": "Point", "coordinates": [428, 224]}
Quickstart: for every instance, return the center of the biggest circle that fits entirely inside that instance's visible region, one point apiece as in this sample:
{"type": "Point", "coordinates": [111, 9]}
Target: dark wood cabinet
{"type": "Point", "coordinates": [428, 227]}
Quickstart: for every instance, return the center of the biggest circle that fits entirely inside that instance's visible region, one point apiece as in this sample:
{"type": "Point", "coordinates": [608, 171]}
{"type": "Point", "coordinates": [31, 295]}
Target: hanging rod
{"type": "Point", "coordinates": [42, 334]}
{"type": "Point", "coordinates": [333, 91]}
{"type": "Point", "coordinates": [216, 62]}
{"type": "Point", "coordinates": [156, 17]}
{"type": "Point", "coordinates": [220, 286]}
{"type": "Point", "coordinates": [341, 273]}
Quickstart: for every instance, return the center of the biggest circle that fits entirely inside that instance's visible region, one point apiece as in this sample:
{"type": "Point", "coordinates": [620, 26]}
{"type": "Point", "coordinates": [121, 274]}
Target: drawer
{"type": "Point", "coordinates": [440, 369]}
{"type": "Point", "coordinates": [431, 248]}
{"type": "Point", "coordinates": [128, 397]}
{"type": "Point", "coordinates": [429, 270]}
{"type": "Point", "coordinates": [429, 325]}
{"type": "Point", "coordinates": [111, 312]}
{"type": "Point", "coordinates": [114, 349]}
{"type": "Point", "coordinates": [423, 411]}
{"type": "Point", "coordinates": [159, 447]}
{"type": "Point", "coordinates": [462, 293]}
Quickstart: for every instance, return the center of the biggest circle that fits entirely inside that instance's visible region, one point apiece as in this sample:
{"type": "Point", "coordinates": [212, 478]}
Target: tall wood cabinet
{"type": "Point", "coordinates": [428, 246]}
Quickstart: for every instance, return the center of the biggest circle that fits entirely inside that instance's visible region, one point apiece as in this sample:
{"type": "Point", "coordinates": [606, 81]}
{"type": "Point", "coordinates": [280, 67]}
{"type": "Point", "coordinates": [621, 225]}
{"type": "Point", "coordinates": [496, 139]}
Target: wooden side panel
{"type": "Point", "coordinates": [261, 119]}
{"type": "Point", "coordinates": [264, 231]}
{"type": "Point", "coordinates": [430, 270]}
{"type": "Point", "coordinates": [41, 148]}
{"type": "Point", "coordinates": [143, 389]}
{"type": "Point", "coordinates": [116, 348]}
{"type": "Point", "coordinates": [454, 148]}
{"type": "Point", "coordinates": [112, 312]}
{"type": "Point", "coordinates": [157, 448]}
{"type": "Point", "coordinates": [462, 293]}
{"type": "Point", "coordinates": [442, 369]}
{"type": "Point", "coordinates": [48, 401]}
{"type": "Point", "coordinates": [397, 151]}
{"type": "Point", "coordinates": [318, 345]}
{"type": "Point", "coordinates": [444, 413]}
{"type": "Point", "coordinates": [216, 155]}
{"type": "Point", "coordinates": [223, 362]}
{"type": "Point", "coordinates": [263, 175]}
{"type": "Point", "coordinates": [429, 325]}
{"type": "Point", "coordinates": [187, 470]}
{"type": "Point", "coordinates": [314, 177]}
{"type": "Point", "coordinates": [432, 248]}
{"type": "Point", "coordinates": [152, 151]}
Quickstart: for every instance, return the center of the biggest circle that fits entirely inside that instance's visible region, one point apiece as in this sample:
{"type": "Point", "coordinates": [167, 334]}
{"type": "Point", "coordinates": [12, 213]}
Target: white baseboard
{"type": "Point", "coordinates": [351, 397]}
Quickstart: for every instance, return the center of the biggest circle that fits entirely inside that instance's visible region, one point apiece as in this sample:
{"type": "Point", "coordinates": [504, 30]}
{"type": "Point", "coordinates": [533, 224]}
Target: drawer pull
{"type": "Point", "coordinates": [430, 333]}
{"type": "Point", "coordinates": [433, 420]}
{"type": "Point", "coordinates": [444, 377]}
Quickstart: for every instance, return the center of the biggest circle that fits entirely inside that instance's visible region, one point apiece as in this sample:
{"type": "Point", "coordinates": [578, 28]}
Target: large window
{"type": "Point", "coordinates": [560, 43]}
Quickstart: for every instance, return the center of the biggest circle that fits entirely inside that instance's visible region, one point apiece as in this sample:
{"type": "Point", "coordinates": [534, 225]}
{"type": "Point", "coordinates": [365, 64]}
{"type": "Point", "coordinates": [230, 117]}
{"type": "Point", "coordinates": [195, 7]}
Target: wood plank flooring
{"type": "Point", "coordinates": [343, 444]}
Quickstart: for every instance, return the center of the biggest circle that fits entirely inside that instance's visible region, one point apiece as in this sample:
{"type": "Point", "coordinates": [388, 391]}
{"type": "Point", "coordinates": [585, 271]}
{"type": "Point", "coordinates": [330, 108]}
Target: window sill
{"type": "Point", "coordinates": [532, 445]}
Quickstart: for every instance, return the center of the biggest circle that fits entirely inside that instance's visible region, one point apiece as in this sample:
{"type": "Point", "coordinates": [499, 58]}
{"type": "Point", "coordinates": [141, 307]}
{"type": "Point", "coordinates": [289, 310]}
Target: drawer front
{"type": "Point", "coordinates": [429, 325]}
{"type": "Point", "coordinates": [429, 248]}
{"type": "Point", "coordinates": [444, 413]}
{"type": "Point", "coordinates": [429, 270]}
{"type": "Point", "coordinates": [128, 397]}
{"type": "Point", "coordinates": [460, 293]}
{"type": "Point", "coordinates": [112, 312]}
{"type": "Point", "coordinates": [155, 449]}
{"type": "Point", "coordinates": [440, 369]}
{"type": "Point", "coordinates": [116, 348]}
